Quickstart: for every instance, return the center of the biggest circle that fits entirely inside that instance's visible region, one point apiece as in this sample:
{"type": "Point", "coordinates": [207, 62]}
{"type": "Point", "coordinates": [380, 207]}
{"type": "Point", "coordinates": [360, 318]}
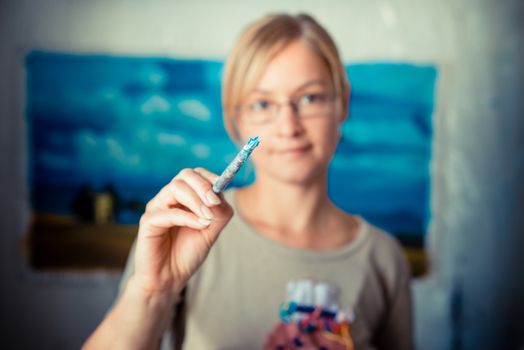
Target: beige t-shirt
{"type": "Point", "coordinates": [233, 301]}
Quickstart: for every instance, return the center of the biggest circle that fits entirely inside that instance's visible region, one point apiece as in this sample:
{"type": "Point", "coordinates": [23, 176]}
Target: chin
{"type": "Point", "coordinates": [299, 175]}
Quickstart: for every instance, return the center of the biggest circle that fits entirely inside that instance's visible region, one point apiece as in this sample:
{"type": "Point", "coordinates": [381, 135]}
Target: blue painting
{"type": "Point", "coordinates": [125, 126]}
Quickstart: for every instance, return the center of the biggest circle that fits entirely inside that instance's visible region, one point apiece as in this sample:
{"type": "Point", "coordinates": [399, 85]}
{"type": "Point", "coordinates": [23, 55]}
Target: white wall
{"type": "Point", "coordinates": [477, 167]}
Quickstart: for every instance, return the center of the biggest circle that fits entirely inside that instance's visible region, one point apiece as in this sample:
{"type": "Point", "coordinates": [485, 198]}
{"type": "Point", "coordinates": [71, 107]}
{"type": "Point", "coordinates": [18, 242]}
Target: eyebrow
{"type": "Point", "coordinates": [301, 87]}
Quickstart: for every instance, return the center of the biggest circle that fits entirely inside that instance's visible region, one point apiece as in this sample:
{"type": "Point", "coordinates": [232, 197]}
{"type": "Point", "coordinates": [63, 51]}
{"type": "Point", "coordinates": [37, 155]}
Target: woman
{"type": "Point", "coordinates": [285, 83]}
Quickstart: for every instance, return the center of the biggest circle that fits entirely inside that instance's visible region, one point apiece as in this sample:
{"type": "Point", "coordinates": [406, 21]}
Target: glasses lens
{"type": "Point", "coordinates": [308, 105]}
{"type": "Point", "coordinates": [315, 104]}
{"type": "Point", "coordinates": [260, 111]}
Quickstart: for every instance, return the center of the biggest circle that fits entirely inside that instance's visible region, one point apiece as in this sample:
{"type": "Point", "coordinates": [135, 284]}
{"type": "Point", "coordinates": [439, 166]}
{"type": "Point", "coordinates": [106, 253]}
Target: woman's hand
{"type": "Point", "coordinates": [177, 230]}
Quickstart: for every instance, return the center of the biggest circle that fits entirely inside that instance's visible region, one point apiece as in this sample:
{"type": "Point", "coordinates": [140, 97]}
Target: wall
{"type": "Point", "coordinates": [470, 298]}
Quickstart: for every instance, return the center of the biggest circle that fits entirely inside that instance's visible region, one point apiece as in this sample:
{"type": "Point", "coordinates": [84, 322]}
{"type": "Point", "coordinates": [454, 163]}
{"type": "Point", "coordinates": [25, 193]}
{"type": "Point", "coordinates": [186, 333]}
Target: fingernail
{"type": "Point", "coordinates": [206, 212]}
{"type": "Point", "coordinates": [212, 198]}
{"type": "Point", "coordinates": [204, 222]}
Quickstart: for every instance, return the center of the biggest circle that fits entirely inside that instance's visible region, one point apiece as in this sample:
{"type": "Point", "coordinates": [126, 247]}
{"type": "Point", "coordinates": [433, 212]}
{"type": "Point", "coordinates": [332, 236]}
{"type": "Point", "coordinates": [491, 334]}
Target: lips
{"type": "Point", "coordinates": [295, 150]}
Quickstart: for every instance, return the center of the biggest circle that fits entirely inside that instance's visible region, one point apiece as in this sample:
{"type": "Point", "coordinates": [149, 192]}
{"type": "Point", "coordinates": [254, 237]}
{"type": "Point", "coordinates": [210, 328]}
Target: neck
{"type": "Point", "coordinates": [287, 208]}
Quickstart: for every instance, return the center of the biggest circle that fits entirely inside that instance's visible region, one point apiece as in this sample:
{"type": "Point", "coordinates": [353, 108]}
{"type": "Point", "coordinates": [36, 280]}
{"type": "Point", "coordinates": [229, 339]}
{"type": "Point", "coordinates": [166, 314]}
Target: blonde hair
{"type": "Point", "coordinates": [260, 43]}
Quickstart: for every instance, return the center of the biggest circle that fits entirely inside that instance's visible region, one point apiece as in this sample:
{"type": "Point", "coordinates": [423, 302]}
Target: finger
{"type": "Point", "coordinates": [208, 175]}
{"type": "Point", "coordinates": [182, 193]}
{"type": "Point", "coordinates": [166, 219]}
{"type": "Point", "coordinates": [201, 185]}
{"type": "Point", "coordinates": [222, 212]}
{"type": "Point", "coordinates": [179, 192]}
{"type": "Point", "coordinates": [160, 201]}
{"type": "Point", "coordinates": [164, 199]}
{"type": "Point", "coordinates": [211, 177]}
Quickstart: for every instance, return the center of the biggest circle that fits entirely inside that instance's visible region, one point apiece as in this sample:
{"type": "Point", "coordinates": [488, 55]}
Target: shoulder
{"type": "Point", "coordinates": [387, 255]}
{"type": "Point", "coordinates": [385, 245]}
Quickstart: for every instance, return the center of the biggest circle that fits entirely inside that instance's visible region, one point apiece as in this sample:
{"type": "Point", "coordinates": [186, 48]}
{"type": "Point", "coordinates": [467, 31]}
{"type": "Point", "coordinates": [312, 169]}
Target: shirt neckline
{"type": "Point", "coordinates": [298, 253]}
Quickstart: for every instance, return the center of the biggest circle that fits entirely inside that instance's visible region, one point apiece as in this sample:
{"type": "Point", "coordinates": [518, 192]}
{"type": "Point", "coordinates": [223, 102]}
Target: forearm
{"type": "Point", "coordinates": [137, 321]}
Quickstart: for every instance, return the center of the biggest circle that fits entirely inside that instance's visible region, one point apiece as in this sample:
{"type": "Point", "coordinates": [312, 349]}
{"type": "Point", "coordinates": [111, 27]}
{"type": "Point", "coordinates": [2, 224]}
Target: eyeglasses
{"type": "Point", "coordinates": [264, 111]}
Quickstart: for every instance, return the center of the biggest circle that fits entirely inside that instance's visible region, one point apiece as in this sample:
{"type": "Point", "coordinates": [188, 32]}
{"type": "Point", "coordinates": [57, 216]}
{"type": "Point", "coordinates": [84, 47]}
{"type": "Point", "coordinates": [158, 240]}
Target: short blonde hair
{"type": "Point", "coordinates": [260, 43]}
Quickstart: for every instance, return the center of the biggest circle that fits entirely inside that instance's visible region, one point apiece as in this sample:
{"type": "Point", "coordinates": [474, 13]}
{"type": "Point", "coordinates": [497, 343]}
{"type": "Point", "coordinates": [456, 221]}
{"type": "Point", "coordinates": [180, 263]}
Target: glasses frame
{"type": "Point", "coordinates": [293, 103]}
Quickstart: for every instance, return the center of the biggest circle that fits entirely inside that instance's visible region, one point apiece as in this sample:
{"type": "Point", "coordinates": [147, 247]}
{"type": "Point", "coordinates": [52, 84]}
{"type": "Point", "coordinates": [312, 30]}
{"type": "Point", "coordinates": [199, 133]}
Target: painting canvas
{"type": "Point", "coordinates": [106, 133]}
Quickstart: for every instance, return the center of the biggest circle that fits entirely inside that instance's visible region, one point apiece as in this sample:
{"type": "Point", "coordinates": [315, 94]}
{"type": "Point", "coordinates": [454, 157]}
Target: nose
{"type": "Point", "coordinates": [288, 122]}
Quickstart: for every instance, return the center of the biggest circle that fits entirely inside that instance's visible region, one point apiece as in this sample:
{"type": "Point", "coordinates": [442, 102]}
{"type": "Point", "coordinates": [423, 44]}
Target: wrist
{"type": "Point", "coordinates": [144, 315]}
{"type": "Point", "coordinates": [151, 298]}
{"type": "Point", "coordinates": [137, 321]}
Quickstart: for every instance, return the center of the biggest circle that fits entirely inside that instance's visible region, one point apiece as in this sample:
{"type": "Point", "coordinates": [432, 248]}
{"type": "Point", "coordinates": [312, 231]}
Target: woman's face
{"type": "Point", "coordinates": [298, 139]}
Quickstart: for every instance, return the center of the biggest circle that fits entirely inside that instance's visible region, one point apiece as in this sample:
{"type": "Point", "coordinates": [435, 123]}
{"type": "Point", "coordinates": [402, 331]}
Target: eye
{"type": "Point", "coordinates": [260, 105]}
{"type": "Point", "coordinates": [312, 99]}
